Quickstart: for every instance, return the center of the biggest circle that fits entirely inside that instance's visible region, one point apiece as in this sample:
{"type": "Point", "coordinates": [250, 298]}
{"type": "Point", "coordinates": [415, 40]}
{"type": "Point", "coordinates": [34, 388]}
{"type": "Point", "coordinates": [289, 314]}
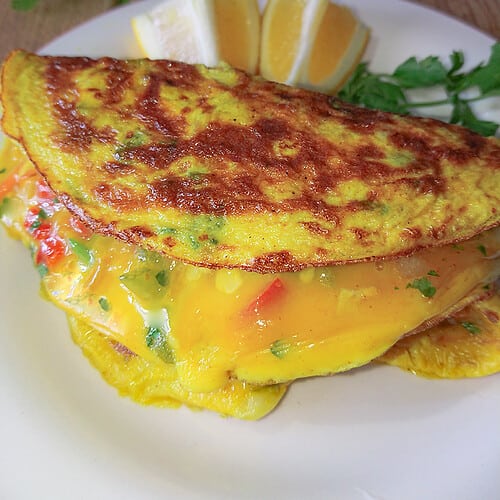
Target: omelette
{"type": "Point", "coordinates": [236, 233]}
{"type": "Point", "coordinates": [467, 344]}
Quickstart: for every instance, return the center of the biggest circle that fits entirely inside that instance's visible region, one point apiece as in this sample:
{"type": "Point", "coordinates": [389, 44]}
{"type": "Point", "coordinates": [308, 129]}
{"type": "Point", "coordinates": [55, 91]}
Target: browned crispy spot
{"type": "Point", "coordinates": [76, 132]}
{"type": "Point", "coordinates": [269, 262]}
{"type": "Point", "coordinates": [316, 228]}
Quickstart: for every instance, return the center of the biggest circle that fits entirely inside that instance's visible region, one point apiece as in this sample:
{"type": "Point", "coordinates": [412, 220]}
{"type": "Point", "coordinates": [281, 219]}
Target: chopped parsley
{"type": "Point", "coordinates": [3, 170]}
{"type": "Point", "coordinates": [84, 254]}
{"type": "Point", "coordinates": [432, 273]}
{"type": "Point", "coordinates": [42, 270]}
{"type": "Point", "coordinates": [40, 216]}
{"type": "Point", "coordinates": [471, 327]}
{"type": "Point", "coordinates": [156, 340]}
{"type": "Point", "coordinates": [279, 348]}
{"type": "Point", "coordinates": [162, 278]}
{"type": "Point", "coordinates": [104, 303]}
{"type": "Point", "coordinates": [23, 4]}
{"type": "Point", "coordinates": [4, 205]}
{"type": "Point", "coordinates": [195, 244]}
{"type": "Point", "coordinates": [424, 286]}
{"type": "Point", "coordinates": [167, 230]}
{"type": "Point", "coordinates": [482, 249]}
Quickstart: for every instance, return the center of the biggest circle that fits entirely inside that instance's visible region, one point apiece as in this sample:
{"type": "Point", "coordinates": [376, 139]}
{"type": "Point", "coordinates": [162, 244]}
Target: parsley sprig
{"type": "Point", "coordinates": [30, 4]}
{"type": "Point", "coordinates": [23, 4]}
{"type": "Point", "coordinates": [389, 92]}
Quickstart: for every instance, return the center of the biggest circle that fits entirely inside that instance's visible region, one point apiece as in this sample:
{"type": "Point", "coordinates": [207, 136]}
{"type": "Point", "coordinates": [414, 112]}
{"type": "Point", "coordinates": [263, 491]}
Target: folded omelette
{"type": "Point", "coordinates": [217, 236]}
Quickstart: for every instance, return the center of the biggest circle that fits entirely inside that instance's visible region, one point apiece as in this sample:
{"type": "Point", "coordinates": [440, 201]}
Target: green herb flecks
{"type": "Point", "coordinates": [375, 206]}
{"type": "Point", "coordinates": [2, 171]}
{"type": "Point", "coordinates": [136, 139]}
{"type": "Point", "coordinates": [104, 303]}
{"type": "Point", "coordinates": [40, 216]}
{"type": "Point", "coordinates": [156, 340]}
{"type": "Point", "coordinates": [482, 249]}
{"type": "Point", "coordinates": [471, 327]}
{"type": "Point", "coordinates": [84, 254]}
{"type": "Point", "coordinates": [4, 206]}
{"type": "Point", "coordinates": [388, 92]}
{"type": "Point", "coordinates": [279, 348]}
{"type": "Point", "coordinates": [162, 278]}
{"type": "Point", "coordinates": [194, 242]}
{"type": "Point", "coordinates": [432, 272]}
{"type": "Point", "coordinates": [146, 283]}
{"type": "Point", "coordinates": [424, 286]}
{"type": "Point", "coordinates": [42, 270]}
{"type": "Point", "coordinates": [167, 230]}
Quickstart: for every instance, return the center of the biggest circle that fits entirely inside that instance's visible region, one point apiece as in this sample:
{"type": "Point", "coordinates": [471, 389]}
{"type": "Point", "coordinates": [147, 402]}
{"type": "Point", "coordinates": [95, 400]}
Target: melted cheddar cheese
{"type": "Point", "coordinates": [216, 326]}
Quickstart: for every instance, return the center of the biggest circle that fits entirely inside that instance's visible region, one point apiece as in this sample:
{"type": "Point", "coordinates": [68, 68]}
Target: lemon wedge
{"type": "Point", "coordinates": [237, 25]}
{"type": "Point", "coordinates": [337, 49]}
{"type": "Point", "coordinates": [202, 31]}
{"type": "Point", "coordinates": [183, 30]}
{"type": "Point", "coordinates": [287, 28]}
{"type": "Point", "coordinates": [313, 44]}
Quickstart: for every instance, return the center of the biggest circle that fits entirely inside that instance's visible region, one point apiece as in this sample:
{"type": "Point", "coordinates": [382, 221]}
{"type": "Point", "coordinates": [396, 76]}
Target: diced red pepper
{"type": "Point", "coordinates": [50, 251]}
{"type": "Point", "coordinates": [274, 291]}
{"type": "Point", "coordinates": [39, 228]}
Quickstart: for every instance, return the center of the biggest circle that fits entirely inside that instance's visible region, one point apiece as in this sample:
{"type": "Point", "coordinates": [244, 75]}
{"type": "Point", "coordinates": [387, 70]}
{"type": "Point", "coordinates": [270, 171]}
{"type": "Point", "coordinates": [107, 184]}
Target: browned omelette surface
{"type": "Point", "coordinates": [220, 169]}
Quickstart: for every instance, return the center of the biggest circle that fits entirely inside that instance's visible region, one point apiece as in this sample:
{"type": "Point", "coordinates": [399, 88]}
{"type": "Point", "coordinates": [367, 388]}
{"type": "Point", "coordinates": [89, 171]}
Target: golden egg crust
{"type": "Point", "coordinates": [220, 169]}
{"type": "Point", "coordinates": [467, 344]}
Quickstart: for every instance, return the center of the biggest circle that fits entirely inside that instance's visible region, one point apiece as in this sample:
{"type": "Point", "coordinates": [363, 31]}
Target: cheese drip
{"type": "Point", "coordinates": [221, 325]}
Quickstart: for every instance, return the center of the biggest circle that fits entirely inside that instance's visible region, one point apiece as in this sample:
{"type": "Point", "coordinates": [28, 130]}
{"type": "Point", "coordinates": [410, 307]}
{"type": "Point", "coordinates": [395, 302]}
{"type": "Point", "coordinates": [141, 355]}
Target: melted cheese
{"type": "Point", "coordinates": [155, 383]}
{"type": "Point", "coordinates": [225, 324]}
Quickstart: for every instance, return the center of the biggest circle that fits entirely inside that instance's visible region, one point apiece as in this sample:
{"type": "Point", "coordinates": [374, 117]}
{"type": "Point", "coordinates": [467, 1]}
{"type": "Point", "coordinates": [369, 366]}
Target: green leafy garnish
{"type": "Point", "coordinates": [23, 4]}
{"type": "Point", "coordinates": [432, 272]}
{"type": "Point", "coordinates": [388, 92]}
{"type": "Point", "coordinates": [279, 348]}
{"type": "Point", "coordinates": [3, 170]}
{"type": "Point", "coordinates": [482, 249]}
{"type": "Point", "coordinates": [424, 286]}
{"type": "Point", "coordinates": [29, 4]}
{"type": "Point", "coordinates": [84, 254]}
{"type": "Point", "coordinates": [471, 327]}
{"type": "Point", "coordinates": [157, 341]}
{"type": "Point", "coordinates": [104, 303]}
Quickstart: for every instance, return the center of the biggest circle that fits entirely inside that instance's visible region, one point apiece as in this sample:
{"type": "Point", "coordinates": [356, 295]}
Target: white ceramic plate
{"type": "Point", "coordinates": [375, 433]}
